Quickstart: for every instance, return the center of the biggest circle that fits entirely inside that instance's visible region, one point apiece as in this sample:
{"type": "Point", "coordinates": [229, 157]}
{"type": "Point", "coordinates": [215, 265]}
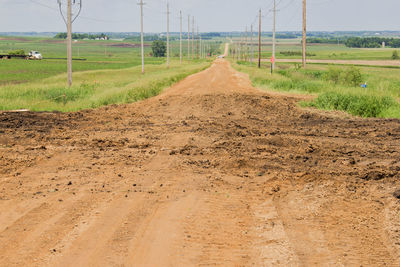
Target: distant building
{"type": "Point", "coordinates": [383, 44]}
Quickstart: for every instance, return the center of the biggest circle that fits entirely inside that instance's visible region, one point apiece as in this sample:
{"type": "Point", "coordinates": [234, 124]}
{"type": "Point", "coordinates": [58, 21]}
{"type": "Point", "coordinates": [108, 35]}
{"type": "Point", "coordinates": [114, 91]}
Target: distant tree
{"type": "Point", "coordinates": [395, 55]}
{"type": "Point", "coordinates": [19, 52]}
{"type": "Point", "coordinates": [159, 48]}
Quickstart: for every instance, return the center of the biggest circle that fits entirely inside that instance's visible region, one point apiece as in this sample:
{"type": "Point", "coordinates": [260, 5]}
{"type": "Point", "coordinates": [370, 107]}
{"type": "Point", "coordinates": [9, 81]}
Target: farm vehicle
{"type": "Point", "coordinates": [33, 55]}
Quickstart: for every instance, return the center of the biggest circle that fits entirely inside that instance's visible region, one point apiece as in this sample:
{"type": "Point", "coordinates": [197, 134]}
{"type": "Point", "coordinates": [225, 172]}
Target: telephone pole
{"type": "Point", "coordinates": [69, 43]}
{"type": "Point", "coordinates": [197, 42]}
{"type": "Point", "coordinates": [167, 35]}
{"type": "Point", "coordinates": [304, 32]}
{"type": "Point", "coordinates": [68, 22]}
{"type": "Point", "coordinates": [273, 40]}
{"type": "Point", "coordinates": [252, 46]}
{"type": "Point", "coordinates": [180, 40]}
{"type": "Point", "coordinates": [141, 33]}
{"type": "Point", "coordinates": [259, 40]}
{"type": "Point", "coordinates": [192, 38]}
{"type": "Point", "coordinates": [241, 46]}
{"type": "Point", "coordinates": [201, 48]}
{"type": "Point", "coordinates": [188, 39]}
{"type": "Point", "coordinates": [246, 51]}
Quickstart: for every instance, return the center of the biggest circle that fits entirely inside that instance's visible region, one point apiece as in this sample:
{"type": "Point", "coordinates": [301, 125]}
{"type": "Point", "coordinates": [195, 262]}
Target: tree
{"type": "Point", "coordinates": [19, 52]}
{"type": "Point", "coordinates": [159, 48]}
{"type": "Point", "coordinates": [395, 55]}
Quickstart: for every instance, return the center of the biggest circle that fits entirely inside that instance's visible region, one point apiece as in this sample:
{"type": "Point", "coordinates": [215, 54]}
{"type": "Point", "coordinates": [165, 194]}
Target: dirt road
{"type": "Point", "coordinates": [211, 173]}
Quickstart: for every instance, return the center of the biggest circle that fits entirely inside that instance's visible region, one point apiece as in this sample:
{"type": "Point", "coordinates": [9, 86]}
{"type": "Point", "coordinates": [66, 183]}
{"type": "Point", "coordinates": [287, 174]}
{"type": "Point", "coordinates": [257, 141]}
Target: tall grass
{"type": "Point", "coordinates": [93, 89]}
{"type": "Point", "coordinates": [336, 88]}
{"type": "Point", "coordinates": [358, 105]}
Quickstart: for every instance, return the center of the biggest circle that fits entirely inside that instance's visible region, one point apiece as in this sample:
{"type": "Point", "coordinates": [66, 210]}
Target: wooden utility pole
{"type": "Point", "coordinates": [141, 33]}
{"type": "Point", "coordinates": [241, 46]}
{"type": "Point", "coordinates": [68, 22]}
{"type": "Point", "coordinates": [304, 33]}
{"type": "Point", "coordinates": [246, 50]}
{"type": "Point", "coordinates": [69, 44]}
{"type": "Point", "coordinates": [273, 40]}
{"type": "Point", "coordinates": [197, 42]}
{"type": "Point", "coordinates": [259, 40]}
{"type": "Point", "coordinates": [180, 40]}
{"type": "Point", "coordinates": [252, 46]}
{"type": "Point", "coordinates": [192, 37]}
{"type": "Point", "coordinates": [167, 35]}
{"type": "Point", "coordinates": [188, 39]}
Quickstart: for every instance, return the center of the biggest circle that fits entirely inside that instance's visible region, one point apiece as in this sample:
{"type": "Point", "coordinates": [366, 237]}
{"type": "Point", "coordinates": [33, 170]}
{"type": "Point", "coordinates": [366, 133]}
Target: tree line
{"type": "Point", "coordinates": [372, 42]}
{"type": "Point", "coordinates": [81, 36]}
{"type": "Point", "coordinates": [358, 42]}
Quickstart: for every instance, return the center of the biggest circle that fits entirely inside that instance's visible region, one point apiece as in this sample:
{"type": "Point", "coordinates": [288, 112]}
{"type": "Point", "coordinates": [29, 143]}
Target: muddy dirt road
{"type": "Point", "coordinates": [211, 173]}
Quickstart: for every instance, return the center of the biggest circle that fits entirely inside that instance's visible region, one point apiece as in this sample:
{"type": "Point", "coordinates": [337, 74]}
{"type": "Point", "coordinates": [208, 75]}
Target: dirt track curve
{"type": "Point", "coordinates": [211, 173]}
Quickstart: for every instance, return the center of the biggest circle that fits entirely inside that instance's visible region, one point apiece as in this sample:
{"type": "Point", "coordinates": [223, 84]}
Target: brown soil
{"type": "Point", "coordinates": [211, 173]}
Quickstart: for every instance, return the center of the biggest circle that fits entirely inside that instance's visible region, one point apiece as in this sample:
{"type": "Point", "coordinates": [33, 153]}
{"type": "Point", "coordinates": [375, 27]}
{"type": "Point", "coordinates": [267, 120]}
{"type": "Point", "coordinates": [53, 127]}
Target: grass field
{"type": "Point", "coordinates": [321, 51]}
{"type": "Point", "coordinates": [97, 54]}
{"type": "Point", "coordinates": [95, 88]}
{"type": "Point", "coordinates": [111, 74]}
{"type": "Point", "coordinates": [379, 99]}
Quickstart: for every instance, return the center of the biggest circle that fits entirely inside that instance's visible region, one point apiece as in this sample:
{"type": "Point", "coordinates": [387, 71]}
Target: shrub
{"type": "Point", "coordinates": [352, 76]}
{"type": "Point", "coordinates": [296, 53]}
{"type": "Point", "coordinates": [395, 55]}
{"type": "Point", "coordinates": [333, 75]}
{"type": "Point", "coordinates": [19, 52]}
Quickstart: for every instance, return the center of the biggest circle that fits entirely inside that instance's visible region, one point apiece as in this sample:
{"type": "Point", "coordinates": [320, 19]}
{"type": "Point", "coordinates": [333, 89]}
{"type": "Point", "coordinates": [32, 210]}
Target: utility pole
{"type": "Point", "coordinates": [246, 51]}
{"type": "Point", "coordinates": [188, 39]}
{"type": "Point", "coordinates": [141, 33]}
{"type": "Point", "coordinates": [252, 46]}
{"type": "Point", "coordinates": [167, 35]}
{"type": "Point", "coordinates": [192, 38]}
{"type": "Point", "coordinates": [69, 43]}
{"type": "Point", "coordinates": [68, 22]}
{"type": "Point", "coordinates": [273, 40]}
{"type": "Point", "coordinates": [259, 40]}
{"type": "Point", "coordinates": [197, 42]}
{"type": "Point", "coordinates": [304, 32]}
{"type": "Point", "coordinates": [201, 48]}
{"type": "Point", "coordinates": [241, 46]}
{"type": "Point", "coordinates": [180, 41]}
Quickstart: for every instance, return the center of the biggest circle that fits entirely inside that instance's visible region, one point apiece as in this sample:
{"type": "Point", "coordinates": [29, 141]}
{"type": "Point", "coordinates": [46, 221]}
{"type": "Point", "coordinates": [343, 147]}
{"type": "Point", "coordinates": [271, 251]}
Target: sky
{"type": "Point", "coordinates": [210, 15]}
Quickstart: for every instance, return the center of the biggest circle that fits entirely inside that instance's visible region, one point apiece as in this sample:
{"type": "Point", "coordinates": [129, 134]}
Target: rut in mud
{"type": "Point", "coordinates": [211, 173]}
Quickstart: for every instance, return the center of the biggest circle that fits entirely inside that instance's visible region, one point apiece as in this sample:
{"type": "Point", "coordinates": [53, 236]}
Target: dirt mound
{"type": "Point", "coordinates": [212, 172]}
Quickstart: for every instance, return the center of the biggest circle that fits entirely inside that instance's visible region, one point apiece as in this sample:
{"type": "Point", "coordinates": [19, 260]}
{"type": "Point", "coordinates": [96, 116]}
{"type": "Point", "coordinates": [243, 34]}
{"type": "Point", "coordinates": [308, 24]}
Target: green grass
{"type": "Point", "coordinates": [321, 51]}
{"type": "Point", "coordinates": [92, 89]}
{"type": "Point", "coordinates": [111, 74]}
{"type": "Point", "coordinates": [98, 54]}
{"type": "Point", "coordinates": [380, 99]}
{"type": "Point", "coordinates": [358, 105]}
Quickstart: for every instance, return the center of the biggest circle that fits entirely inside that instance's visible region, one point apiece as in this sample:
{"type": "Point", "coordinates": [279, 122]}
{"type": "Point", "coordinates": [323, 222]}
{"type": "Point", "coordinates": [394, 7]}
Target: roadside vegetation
{"type": "Point", "coordinates": [104, 72]}
{"type": "Point", "coordinates": [92, 89]}
{"type": "Point", "coordinates": [335, 87]}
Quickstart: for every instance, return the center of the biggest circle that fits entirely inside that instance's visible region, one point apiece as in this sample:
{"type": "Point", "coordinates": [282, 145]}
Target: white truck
{"type": "Point", "coordinates": [35, 55]}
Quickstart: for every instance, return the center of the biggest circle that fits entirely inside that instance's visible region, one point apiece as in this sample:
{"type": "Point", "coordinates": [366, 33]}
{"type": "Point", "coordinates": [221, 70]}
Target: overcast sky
{"type": "Point", "coordinates": [211, 15]}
